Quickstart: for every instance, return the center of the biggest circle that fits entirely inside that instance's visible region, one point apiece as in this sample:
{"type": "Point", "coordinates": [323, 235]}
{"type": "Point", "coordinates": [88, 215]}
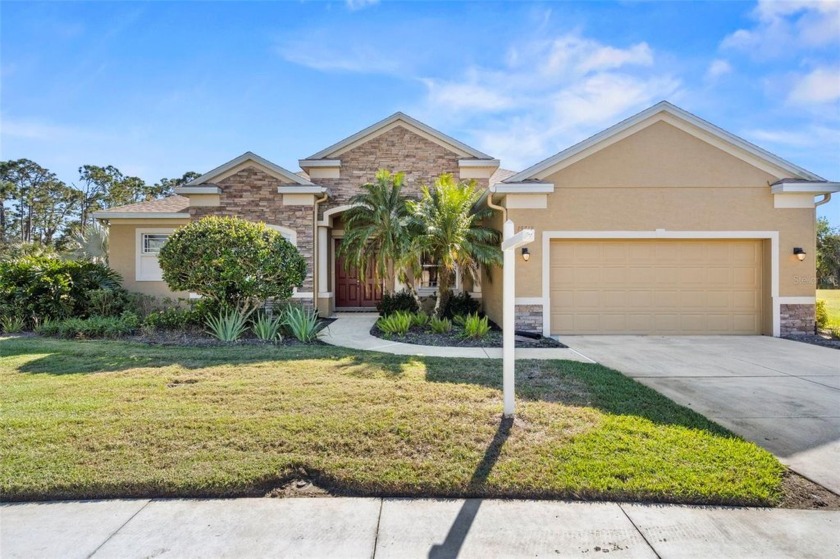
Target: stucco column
{"type": "Point", "coordinates": [323, 261]}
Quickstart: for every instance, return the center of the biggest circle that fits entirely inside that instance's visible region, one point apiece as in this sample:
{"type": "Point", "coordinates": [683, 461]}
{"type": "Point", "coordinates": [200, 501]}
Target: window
{"type": "Point", "coordinates": [429, 273]}
{"type": "Point", "coordinates": [152, 242]}
{"type": "Point", "coordinates": [148, 245]}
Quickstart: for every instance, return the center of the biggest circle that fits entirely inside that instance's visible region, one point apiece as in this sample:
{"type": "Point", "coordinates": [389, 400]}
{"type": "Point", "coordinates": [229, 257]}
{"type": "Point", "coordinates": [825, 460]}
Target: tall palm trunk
{"type": "Point", "coordinates": [444, 290]}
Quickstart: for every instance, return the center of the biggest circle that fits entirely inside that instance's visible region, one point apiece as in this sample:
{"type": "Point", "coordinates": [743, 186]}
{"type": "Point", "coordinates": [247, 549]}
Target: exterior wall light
{"type": "Point", "coordinates": [526, 255]}
{"type": "Point", "coordinates": [799, 253]}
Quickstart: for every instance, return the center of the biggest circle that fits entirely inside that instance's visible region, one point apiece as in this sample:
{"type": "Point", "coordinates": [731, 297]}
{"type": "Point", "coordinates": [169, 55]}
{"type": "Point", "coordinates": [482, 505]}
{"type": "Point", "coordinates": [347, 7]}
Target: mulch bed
{"type": "Point", "coordinates": [455, 338]}
{"type": "Point", "coordinates": [824, 340]}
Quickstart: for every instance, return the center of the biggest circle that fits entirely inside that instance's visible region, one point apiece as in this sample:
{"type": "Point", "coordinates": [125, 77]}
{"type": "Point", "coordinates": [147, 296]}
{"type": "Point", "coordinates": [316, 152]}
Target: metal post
{"type": "Point", "coordinates": [508, 323]}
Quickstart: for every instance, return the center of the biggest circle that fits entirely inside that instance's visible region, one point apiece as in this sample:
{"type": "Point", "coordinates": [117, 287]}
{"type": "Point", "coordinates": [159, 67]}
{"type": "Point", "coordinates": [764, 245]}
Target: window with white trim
{"type": "Point", "coordinates": [153, 242]}
{"type": "Point", "coordinates": [429, 273]}
{"type": "Point", "coordinates": [149, 243]}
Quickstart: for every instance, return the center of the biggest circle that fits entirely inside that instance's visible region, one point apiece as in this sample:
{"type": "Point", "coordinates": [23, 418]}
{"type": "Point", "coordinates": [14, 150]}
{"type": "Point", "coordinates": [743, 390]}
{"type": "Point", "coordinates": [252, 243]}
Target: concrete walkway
{"type": "Point", "coordinates": [352, 330]}
{"type": "Point", "coordinates": [403, 528]}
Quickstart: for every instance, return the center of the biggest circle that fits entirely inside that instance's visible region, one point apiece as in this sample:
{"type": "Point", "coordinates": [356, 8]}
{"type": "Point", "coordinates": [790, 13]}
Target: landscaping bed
{"type": "Point", "coordinates": [422, 336]}
{"type": "Point", "coordinates": [107, 419]}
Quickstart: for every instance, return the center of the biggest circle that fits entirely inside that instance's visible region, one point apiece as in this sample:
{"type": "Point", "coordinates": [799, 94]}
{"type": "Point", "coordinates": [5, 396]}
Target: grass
{"type": "Point", "coordinates": [832, 304]}
{"type": "Point", "coordinates": [118, 419]}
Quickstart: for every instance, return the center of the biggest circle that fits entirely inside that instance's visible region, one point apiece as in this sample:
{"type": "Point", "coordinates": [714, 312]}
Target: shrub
{"type": "Point", "coordinates": [301, 323]}
{"type": "Point", "coordinates": [11, 324]}
{"type": "Point", "coordinates": [93, 327]}
{"type": "Point", "coordinates": [228, 326]}
{"type": "Point", "coordinates": [420, 319]}
{"type": "Point", "coordinates": [821, 314]}
{"type": "Point", "coordinates": [46, 287]}
{"type": "Point", "coordinates": [459, 320]}
{"type": "Point", "coordinates": [46, 327]}
{"type": "Point", "coordinates": [440, 325]}
{"type": "Point", "coordinates": [266, 328]}
{"type": "Point", "coordinates": [476, 327]}
{"type": "Point", "coordinates": [402, 301]}
{"type": "Point", "coordinates": [173, 318]}
{"type": "Point", "coordinates": [397, 323]}
{"type": "Point", "coordinates": [236, 263]}
{"type": "Point", "coordinates": [835, 332]}
{"type": "Point", "coordinates": [106, 301]}
{"type": "Point", "coordinates": [461, 304]}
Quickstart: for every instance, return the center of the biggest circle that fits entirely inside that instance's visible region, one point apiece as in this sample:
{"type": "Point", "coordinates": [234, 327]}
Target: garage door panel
{"type": "Point", "coordinates": [656, 286]}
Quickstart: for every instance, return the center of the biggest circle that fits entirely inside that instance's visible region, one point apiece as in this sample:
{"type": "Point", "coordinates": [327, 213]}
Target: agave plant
{"type": "Point", "coordinates": [302, 323]}
{"type": "Point", "coordinates": [228, 325]}
{"type": "Point", "coordinates": [267, 329]}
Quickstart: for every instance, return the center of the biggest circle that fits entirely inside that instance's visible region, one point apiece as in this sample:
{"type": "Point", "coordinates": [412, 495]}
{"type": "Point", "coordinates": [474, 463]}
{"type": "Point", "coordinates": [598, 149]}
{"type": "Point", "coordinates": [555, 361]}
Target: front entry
{"type": "Point", "coordinates": [349, 291]}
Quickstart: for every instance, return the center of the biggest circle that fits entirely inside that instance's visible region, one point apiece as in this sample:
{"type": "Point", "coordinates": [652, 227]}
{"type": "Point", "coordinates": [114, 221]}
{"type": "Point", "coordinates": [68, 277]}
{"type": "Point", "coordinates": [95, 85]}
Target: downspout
{"type": "Point", "coordinates": [490, 204]}
{"type": "Point", "coordinates": [826, 198]}
{"type": "Point", "coordinates": [316, 242]}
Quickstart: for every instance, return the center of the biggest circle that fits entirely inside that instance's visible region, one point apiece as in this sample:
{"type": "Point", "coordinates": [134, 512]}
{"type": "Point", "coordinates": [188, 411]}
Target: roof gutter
{"type": "Point", "coordinates": [490, 191]}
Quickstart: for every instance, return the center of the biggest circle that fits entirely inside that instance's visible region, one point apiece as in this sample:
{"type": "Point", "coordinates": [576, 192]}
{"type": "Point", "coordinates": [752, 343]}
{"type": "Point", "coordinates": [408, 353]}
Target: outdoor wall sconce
{"type": "Point", "coordinates": [799, 253]}
{"type": "Point", "coordinates": [526, 255]}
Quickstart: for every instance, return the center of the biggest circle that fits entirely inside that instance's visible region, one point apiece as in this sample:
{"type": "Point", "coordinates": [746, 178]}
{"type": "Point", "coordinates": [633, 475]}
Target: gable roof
{"type": "Point", "coordinates": [276, 170]}
{"type": "Point", "coordinates": [407, 122]}
{"type": "Point", "coordinates": [171, 206]}
{"type": "Point", "coordinates": [742, 148]}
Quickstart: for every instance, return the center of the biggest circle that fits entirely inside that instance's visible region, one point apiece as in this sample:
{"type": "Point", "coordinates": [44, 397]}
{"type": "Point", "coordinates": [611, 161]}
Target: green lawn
{"type": "Point", "coordinates": [118, 419]}
{"type": "Point", "coordinates": [832, 305]}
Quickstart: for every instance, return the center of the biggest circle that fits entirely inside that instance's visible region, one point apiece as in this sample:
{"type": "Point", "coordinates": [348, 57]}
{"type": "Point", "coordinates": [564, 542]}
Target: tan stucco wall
{"type": "Point", "coordinates": [491, 285]}
{"type": "Point", "coordinates": [122, 255]}
{"type": "Point", "coordinates": [665, 178]}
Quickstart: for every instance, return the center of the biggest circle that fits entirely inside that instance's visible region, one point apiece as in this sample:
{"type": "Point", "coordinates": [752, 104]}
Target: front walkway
{"type": "Point", "coordinates": [367, 527]}
{"type": "Point", "coordinates": [352, 330]}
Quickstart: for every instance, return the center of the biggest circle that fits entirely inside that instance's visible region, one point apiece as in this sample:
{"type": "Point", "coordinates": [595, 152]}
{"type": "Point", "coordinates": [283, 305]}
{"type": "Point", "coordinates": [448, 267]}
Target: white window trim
{"type": "Point", "coordinates": [773, 236]}
{"type": "Point", "coordinates": [140, 255]}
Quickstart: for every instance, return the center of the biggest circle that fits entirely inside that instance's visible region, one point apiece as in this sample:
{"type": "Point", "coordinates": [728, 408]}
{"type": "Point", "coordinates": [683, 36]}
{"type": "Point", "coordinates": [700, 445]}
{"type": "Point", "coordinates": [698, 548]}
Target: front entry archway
{"type": "Point", "coordinates": [350, 292]}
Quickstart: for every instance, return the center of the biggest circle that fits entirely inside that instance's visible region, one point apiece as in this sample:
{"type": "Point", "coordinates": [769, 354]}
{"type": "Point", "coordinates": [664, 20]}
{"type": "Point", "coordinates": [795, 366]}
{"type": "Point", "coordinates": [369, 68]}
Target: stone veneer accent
{"type": "Point", "coordinates": [252, 194]}
{"type": "Point", "coordinates": [398, 149]}
{"type": "Point", "coordinates": [529, 318]}
{"type": "Point", "coordinates": [798, 319]}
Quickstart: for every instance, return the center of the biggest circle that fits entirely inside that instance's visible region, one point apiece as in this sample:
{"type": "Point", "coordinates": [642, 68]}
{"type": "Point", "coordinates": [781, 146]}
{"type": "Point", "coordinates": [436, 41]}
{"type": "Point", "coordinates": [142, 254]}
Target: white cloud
{"type": "Point", "coordinates": [820, 86]}
{"type": "Point", "coordinates": [545, 94]}
{"type": "Point", "coordinates": [784, 28]}
{"type": "Point", "coordinates": [354, 5]}
{"type": "Point", "coordinates": [356, 58]}
{"type": "Point", "coordinates": [718, 68]}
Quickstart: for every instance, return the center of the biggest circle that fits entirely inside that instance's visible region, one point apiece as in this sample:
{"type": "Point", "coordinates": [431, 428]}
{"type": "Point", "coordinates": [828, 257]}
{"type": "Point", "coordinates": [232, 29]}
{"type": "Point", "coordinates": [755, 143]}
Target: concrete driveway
{"type": "Point", "coordinates": [780, 394]}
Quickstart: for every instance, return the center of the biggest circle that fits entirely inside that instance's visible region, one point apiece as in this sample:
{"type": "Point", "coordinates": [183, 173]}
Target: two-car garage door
{"type": "Point", "coordinates": [615, 286]}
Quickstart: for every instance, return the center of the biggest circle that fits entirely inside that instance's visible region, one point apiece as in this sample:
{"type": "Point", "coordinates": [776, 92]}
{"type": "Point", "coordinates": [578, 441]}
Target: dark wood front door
{"type": "Point", "coordinates": [349, 290]}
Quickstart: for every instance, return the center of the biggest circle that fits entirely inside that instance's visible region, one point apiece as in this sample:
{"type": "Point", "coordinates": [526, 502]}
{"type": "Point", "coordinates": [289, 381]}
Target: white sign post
{"type": "Point", "coordinates": [510, 243]}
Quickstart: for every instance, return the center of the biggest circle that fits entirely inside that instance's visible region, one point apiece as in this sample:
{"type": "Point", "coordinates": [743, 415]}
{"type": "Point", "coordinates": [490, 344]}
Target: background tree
{"type": "Point", "coordinates": [166, 187]}
{"type": "Point", "coordinates": [828, 255]}
{"type": "Point", "coordinates": [235, 263]}
{"type": "Point", "coordinates": [449, 233]}
{"type": "Point", "coordinates": [378, 228]}
{"type": "Point", "coordinates": [27, 180]}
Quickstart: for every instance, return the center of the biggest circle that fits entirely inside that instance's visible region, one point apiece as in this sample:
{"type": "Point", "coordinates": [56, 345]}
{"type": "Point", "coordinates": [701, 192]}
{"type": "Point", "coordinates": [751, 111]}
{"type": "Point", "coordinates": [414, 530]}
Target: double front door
{"type": "Point", "coordinates": [350, 292]}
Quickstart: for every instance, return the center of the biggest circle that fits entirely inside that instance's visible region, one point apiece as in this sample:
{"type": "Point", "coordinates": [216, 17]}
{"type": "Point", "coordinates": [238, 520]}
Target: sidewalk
{"type": "Point", "coordinates": [352, 330]}
{"type": "Point", "coordinates": [401, 528]}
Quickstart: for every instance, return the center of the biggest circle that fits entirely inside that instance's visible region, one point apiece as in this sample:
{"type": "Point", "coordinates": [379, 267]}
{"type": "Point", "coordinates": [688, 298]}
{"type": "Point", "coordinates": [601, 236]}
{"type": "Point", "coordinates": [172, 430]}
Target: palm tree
{"type": "Point", "coordinates": [450, 234]}
{"type": "Point", "coordinates": [377, 228]}
{"type": "Point", "coordinates": [91, 243]}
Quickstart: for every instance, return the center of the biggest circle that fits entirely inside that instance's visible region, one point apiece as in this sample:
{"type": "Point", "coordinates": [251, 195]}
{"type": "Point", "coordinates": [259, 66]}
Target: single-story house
{"type": "Point", "coordinates": [661, 224]}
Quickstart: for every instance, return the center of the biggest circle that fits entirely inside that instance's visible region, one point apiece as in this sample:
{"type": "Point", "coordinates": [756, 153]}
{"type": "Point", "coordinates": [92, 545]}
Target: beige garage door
{"type": "Point", "coordinates": [656, 286]}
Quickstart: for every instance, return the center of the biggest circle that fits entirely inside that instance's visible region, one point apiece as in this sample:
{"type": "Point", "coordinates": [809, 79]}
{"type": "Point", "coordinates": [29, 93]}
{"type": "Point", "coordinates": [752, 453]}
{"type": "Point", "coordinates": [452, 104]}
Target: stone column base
{"type": "Point", "coordinates": [797, 320]}
{"type": "Point", "coordinates": [529, 318]}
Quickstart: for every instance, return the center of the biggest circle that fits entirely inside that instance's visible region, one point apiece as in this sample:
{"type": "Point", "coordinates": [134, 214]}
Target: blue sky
{"type": "Point", "coordinates": [157, 89]}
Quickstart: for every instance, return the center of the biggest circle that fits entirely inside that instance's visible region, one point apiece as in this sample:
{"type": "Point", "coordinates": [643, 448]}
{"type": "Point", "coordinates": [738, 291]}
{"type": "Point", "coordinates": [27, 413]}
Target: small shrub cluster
{"type": "Point", "coordinates": [174, 317]}
{"type": "Point", "coordinates": [461, 304]}
{"type": "Point", "coordinates": [821, 314]}
{"type": "Point", "coordinates": [402, 301]}
{"type": "Point", "coordinates": [399, 323]}
{"type": "Point", "coordinates": [93, 327]}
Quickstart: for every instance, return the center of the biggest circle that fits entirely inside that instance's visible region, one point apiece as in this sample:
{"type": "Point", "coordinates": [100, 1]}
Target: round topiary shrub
{"type": "Point", "coordinates": [236, 263]}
